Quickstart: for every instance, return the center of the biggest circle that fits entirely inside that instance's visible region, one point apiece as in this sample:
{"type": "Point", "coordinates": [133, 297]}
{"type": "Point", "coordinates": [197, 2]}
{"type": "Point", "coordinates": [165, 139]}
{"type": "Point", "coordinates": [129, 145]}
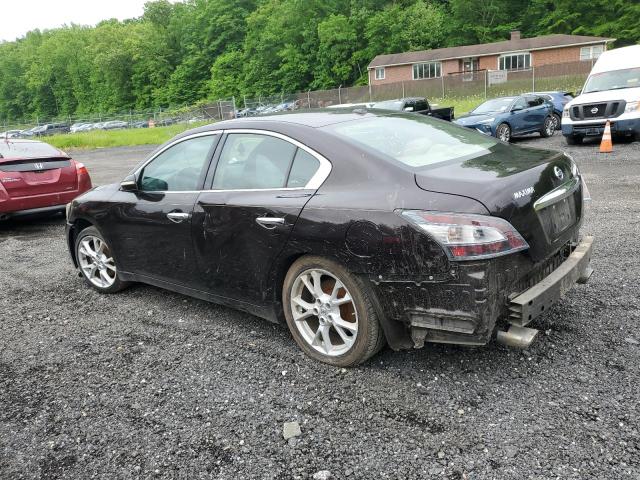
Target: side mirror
{"type": "Point", "coordinates": [129, 184]}
{"type": "Point", "coordinates": [408, 109]}
{"type": "Point", "coordinates": [578, 92]}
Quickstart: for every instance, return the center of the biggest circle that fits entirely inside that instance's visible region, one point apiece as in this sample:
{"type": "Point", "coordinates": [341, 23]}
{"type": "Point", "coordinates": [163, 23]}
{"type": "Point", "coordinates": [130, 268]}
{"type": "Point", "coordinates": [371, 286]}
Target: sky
{"type": "Point", "coordinates": [17, 17]}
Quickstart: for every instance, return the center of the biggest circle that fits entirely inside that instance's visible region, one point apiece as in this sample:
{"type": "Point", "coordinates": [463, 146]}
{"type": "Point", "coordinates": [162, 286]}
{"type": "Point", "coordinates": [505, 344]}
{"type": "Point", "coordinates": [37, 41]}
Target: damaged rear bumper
{"type": "Point", "coordinates": [533, 302]}
{"type": "Point", "coordinates": [465, 308]}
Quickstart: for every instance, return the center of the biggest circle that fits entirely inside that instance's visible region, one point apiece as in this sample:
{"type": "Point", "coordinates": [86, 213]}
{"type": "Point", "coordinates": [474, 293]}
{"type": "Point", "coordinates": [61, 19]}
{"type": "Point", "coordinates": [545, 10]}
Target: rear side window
{"type": "Point", "coordinates": [179, 168]}
{"type": "Point", "coordinates": [253, 161]}
{"type": "Point", "coordinates": [304, 167]}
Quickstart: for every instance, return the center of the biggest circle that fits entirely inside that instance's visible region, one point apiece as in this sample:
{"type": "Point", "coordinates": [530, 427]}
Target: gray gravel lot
{"type": "Point", "coordinates": [152, 384]}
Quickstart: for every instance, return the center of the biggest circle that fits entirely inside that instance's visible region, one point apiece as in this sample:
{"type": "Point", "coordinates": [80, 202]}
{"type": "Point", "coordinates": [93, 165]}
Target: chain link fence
{"type": "Point", "coordinates": [475, 86]}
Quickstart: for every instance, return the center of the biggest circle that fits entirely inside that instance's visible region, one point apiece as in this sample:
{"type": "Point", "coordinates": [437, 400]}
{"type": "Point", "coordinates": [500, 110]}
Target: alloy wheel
{"type": "Point", "coordinates": [96, 262]}
{"type": "Point", "coordinates": [504, 133]}
{"type": "Point", "coordinates": [550, 126]}
{"type": "Point", "coordinates": [324, 312]}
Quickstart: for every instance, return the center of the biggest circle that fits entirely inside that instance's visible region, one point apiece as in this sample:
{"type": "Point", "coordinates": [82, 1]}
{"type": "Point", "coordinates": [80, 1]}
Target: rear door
{"type": "Point", "coordinates": [260, 184]}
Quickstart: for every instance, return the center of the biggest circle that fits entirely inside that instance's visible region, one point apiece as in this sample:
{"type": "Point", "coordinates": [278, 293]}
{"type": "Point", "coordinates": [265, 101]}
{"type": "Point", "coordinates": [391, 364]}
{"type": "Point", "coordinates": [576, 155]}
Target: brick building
{"type": "Point", "coordinates": [514, 54]}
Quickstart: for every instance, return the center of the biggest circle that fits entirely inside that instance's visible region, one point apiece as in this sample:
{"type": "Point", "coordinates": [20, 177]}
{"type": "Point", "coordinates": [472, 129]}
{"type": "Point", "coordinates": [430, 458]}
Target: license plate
{"type": "Point", "coordinates": [561, 216]}
{"type": "Point", "coordinates": [593, 131]}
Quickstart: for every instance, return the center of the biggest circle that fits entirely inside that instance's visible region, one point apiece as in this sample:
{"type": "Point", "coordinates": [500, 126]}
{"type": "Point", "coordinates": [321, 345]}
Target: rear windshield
{"type": "Point", "coordinates": [414, 140]}
{"type": "Point", "coordinates": [613, 80]}
{"type": "Point", "coordinates": [9, 149]}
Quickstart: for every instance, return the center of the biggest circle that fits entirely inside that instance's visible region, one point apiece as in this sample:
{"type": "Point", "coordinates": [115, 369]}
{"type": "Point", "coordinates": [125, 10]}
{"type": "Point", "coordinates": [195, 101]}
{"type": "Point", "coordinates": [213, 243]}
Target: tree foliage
{"type": "Point", "coordinates": [182, 53]}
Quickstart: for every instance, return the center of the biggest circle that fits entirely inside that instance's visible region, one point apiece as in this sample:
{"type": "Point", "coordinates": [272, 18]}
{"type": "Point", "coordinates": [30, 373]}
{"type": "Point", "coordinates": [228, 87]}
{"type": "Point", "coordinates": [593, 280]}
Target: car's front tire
{"type": "Point", "coordinates": [331, 313]}
{"type": "Point", "coordinates": [96, 262]}
{"type": "Point", "coordinates": [503, 132]}
{"type": "Point", "coordinates": [548, 127]}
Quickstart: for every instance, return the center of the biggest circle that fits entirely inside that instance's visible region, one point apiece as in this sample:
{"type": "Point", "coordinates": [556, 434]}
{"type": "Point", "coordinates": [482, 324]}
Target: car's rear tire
{"type": "Point", "coordinates": [96, 262]}
{"type": "Point", "coordinates": [331, 313]}
{"type": "Point", "coordinates": [503, 132]}
{"type": "Point", "coordinates": [548, 127]}
{"type": "Point", "coordinates": [557, 120]}
{"type": "Point", "coordinates": [573, 140]}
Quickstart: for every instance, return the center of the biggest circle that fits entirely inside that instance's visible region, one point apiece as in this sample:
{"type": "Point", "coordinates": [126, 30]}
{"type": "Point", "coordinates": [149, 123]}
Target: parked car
{"type": "Point", "coordinates": [77, 127]}
{"type": "Point", "coordinates": [36, 177]}
{"type": "Point", "coordinates": [115, 125]}
{"type": "Point", "coordinates": [52, 129]}
{"type": "Point", "coordinates": [140, 124]}
{"type": "Point", "coordinates": [11, 134]}
{"type": "Point", "coordinates": [417, 105]}
{"type": "Point", "coordinates": [339, 223]}
{"type": "Point", "coordinates": [33, 132]}
{"type": "Point", "coordinates": [558, 99]}
{"type": "Point", "coordinates": [611, 92]}
{"type": "Point", "coordinates": [507, 117]}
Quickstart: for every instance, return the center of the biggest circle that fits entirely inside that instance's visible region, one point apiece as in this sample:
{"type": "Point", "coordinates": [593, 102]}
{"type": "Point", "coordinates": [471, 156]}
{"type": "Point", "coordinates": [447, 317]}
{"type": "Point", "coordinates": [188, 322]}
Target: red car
{"type": "Point", "coordinates": [36, 177]}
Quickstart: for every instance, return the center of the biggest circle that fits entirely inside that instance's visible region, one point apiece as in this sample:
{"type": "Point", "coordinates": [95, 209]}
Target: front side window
{"type": "Point", "coordinates": [414, 140]}
{"type": "Point", "coordinates": [427, 70]}
{"type": "Point", "coordinates": [380, 73]}
{"type": "Point", "coordinates": [255, 161]}
{"type": "Point", "coordinates": [179, 168]}
{"type": "Point", "coordinates": [588, 53]}
{"type": "Point", "coordinates": [516, 61]}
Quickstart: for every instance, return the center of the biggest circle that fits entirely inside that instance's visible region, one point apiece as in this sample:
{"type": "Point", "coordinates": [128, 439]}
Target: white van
{"type": "Point", "coordinates": [612, 92]}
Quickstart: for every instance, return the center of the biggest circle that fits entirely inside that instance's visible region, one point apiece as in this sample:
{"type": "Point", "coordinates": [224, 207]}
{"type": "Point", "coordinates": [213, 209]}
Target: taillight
{"type": "Point", "coordinates": [80, 168]}
{"type": "Point", "coordinates": [468, 236]}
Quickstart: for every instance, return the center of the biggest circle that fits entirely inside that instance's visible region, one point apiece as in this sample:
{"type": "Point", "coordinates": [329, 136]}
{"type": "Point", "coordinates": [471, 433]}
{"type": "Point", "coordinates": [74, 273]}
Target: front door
{"type": "Point", "coordinates": [152, 226]}
{"type": "Point", "coordinates": [260, 185]}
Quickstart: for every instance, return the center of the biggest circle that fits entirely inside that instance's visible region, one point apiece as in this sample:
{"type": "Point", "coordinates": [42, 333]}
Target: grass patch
{"type": "Point", "coordinates": [117, 138]}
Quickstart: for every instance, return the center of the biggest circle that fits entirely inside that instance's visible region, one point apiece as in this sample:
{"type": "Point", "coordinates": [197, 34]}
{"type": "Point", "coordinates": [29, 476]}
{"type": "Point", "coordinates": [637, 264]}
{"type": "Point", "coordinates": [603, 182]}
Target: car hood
{"type": "Point", "coordinates": [627, 94]}
{"type": "Point", "coordinates": [508, 181]}
{"type": "Point", "coordinates": [473, 119]}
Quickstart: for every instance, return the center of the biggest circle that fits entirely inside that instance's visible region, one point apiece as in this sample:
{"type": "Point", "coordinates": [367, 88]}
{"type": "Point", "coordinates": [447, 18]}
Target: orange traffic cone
{"type": "Point", "coordinates": [605, 145]}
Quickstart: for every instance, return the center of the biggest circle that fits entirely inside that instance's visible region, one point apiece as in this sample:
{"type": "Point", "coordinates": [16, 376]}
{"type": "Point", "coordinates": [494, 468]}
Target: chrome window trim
{"type": "Point", "coordinates": [313, 184]}
{"type": "Point", "coordinates": [167, 147]}
{"type": "Point", "coordinates": [318, 178]}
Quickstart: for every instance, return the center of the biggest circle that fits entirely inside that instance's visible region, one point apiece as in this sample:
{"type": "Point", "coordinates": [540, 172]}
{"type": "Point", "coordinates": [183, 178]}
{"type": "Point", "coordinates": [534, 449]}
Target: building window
{"type": "Point", "coordinates": [515, 61]}
{"type": "Point", "coordinates": [379, 73]}
{"type": "Point", "coordinates": [427, 70]}
{"type": "Point", "coordinates": [588, 53]}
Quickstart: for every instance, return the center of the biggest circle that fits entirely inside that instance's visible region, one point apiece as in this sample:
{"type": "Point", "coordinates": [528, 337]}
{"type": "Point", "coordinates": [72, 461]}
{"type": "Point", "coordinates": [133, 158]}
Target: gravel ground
{"type": "Point", "coordinates": [152, 384]}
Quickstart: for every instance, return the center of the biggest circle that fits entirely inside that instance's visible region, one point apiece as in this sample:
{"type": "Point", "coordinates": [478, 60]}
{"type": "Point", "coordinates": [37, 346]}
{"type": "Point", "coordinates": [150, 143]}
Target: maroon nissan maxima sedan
{"type": "Point", "coordinates": [37, 178]}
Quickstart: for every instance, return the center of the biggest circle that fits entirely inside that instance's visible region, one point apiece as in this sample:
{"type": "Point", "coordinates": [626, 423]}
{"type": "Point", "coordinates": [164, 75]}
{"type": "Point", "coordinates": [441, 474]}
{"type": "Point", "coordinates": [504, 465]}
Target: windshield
{"type": "Point", "coordinates": [613, 80]}
{"type": "Point", "coordinates": [389, 105]}
{"type": "Point", "coordinates": [414, 140]}
{"type": "Point", "coordinates": [495, 105]}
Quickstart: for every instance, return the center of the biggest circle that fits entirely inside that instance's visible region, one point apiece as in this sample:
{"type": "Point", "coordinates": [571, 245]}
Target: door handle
{"type": "Point", "coordinates": [177, 217]}
{"type": "Point", "coordinates": [269, 222]}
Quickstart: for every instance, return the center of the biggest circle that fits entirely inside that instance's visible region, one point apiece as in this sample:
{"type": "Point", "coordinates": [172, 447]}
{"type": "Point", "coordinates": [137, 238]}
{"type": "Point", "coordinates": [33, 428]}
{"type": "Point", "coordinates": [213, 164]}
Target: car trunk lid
{"type": "Point", "coordinates": [535, 190]}
{"type": "Point", "coordinates": [37, 176]}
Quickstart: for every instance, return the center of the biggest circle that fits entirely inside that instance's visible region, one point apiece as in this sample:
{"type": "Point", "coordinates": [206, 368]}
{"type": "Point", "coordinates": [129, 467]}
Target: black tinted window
{"type": "Point", "coordinates": [251, 161]}
{"type": "Point", "coordinates": [304, 167]}
{"type": "Point", "coordinates": [179, 167]}
{"type": "Point", "coordinates": [534, 101]}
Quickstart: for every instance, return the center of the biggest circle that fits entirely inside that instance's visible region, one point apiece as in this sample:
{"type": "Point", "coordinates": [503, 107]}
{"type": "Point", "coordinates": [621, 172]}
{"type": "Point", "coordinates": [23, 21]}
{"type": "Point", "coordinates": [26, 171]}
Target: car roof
{"type": "Point", "coordinates": [308, 118]}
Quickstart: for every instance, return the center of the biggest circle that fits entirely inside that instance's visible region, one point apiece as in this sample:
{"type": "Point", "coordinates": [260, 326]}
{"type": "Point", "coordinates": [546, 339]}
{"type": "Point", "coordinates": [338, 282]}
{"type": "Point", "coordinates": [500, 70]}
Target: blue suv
{"type": "Point", "coordinates": [507, 117]}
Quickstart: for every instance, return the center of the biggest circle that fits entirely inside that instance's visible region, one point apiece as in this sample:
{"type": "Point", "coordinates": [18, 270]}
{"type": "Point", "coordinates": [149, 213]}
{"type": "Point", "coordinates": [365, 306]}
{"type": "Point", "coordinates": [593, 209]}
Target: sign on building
{"type": "Point", "coordinates": [497, 76]}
